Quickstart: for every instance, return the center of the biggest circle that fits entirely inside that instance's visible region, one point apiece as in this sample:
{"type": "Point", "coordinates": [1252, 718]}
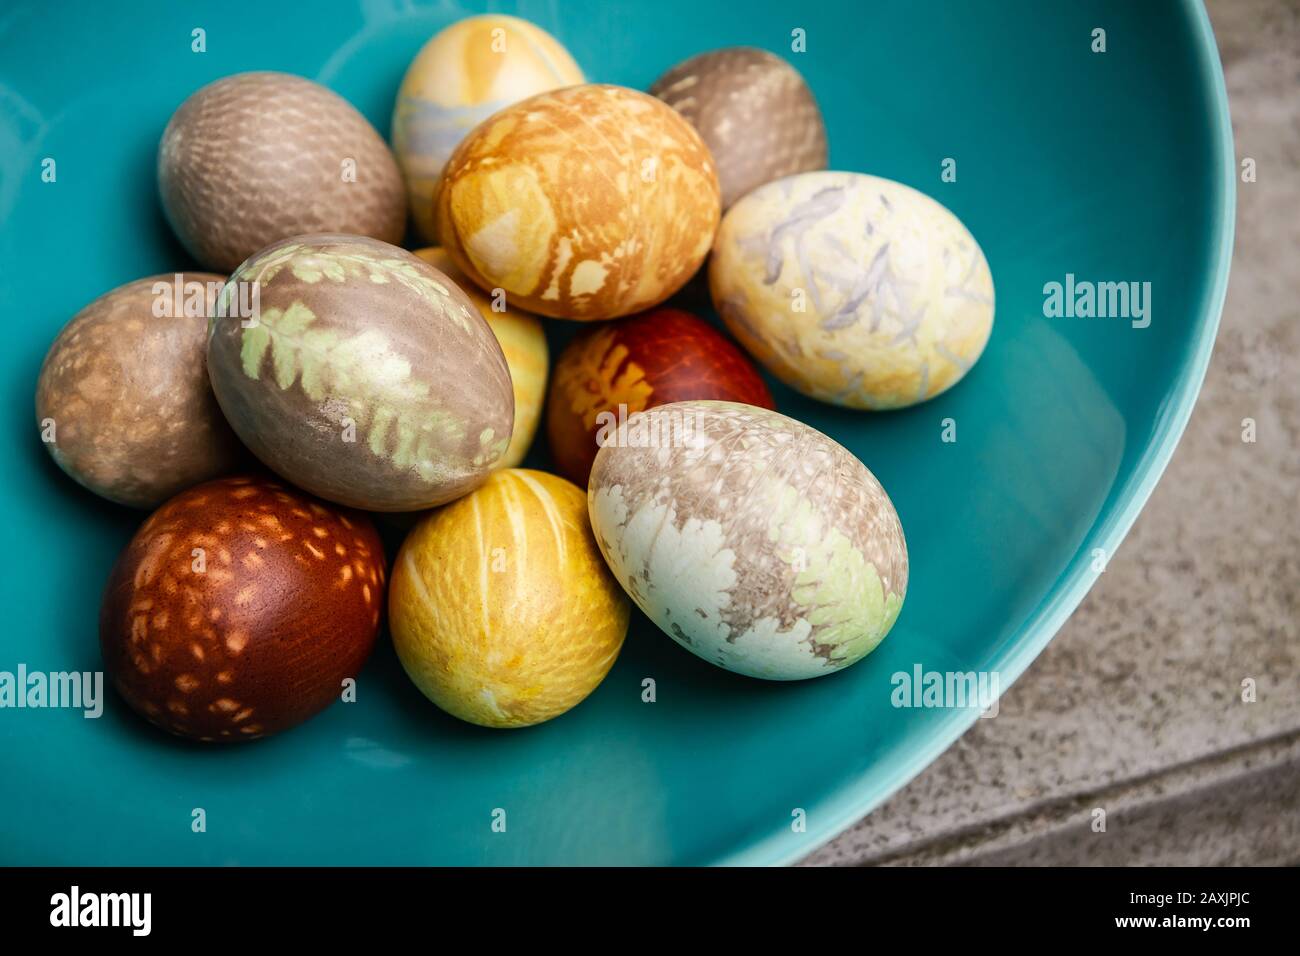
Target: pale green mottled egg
{"type": "Point", "coordinates": [853, 289]}
{"type": "Point", "coordinates": [751, 539]}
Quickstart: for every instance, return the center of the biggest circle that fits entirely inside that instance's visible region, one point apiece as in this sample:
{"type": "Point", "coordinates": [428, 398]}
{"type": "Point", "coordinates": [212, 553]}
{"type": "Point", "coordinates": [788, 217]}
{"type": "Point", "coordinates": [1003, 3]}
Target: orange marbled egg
{"type": "Point", "coordinates": [239, 608]}
{"type": "Point", "coordinates": [588, 202]}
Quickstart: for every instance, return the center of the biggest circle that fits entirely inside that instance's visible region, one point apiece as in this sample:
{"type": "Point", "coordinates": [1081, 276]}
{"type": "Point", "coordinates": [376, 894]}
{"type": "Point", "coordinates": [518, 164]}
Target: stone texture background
{"type": "Point", "coordinates": [1136, 705]}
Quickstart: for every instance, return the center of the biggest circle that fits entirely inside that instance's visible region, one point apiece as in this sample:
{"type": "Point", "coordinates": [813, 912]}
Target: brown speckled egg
{"type": "Point", "coordinates": [123, 402]}
{"type": "Point", "coordinates": [256, 157]}
{"type": "Point", "coordinates": [239, 608]}
{"type": "Point", "coordinates": [588, 202]}
{"type": "Point", "coordinates": [754, 111]}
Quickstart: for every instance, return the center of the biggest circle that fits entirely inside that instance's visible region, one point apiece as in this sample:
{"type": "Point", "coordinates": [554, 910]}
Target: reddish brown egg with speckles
{"type": "Point", "coordinates": [239, 608]}
{"type": "Point", "coordinates": [660, 356]}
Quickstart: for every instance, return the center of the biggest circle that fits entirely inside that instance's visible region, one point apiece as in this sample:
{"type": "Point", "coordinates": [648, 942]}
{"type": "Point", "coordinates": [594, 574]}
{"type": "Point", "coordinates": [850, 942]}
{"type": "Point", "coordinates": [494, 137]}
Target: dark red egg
{"type": "Point", "coordinates": [239, 608]}
{"type": "Point", "coordinates": [657, 357]}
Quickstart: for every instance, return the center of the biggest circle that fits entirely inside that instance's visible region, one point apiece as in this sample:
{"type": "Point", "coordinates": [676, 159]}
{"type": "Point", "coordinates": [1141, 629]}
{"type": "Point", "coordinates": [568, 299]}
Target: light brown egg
{"type": "Point", "coordinates": [754, 111]}
{"type": "Point", "coordinates": [589, 202]}
{"type": "Point", "coordinates": [123, 401]}
{"type": "Point", "coordinates": [257, 157]}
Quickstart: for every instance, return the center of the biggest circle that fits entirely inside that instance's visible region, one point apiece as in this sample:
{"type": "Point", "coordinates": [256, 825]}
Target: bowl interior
{"type": "Point", "coordinates": [1111, 166]}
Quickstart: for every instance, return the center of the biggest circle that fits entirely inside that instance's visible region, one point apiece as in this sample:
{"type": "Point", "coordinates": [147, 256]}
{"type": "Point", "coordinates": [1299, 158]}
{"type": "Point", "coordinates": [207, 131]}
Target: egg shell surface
{"type": "Point", "coordinates": [253, 158]}
{"type": "Point", "coordinates": [590, 202]}
{"type": "Point", "coordinates": [852, 289]}
{"type": "Point", "coordinates": [615, 369]}
{"type": "Point", "coordinates": [467, 72]}
{"type": "Point", "coordinates": [125, 390]}
{"type": "Point", "coordinates": [502, 610]}
{"type": "Point", "coordinates": [523, 340]}
{"type": "Point", "coordinates": [753, 110]}
{"type": "Point", "coordinates": [753, 540]}
{"type": "Point", "coordinates": [239, 608]}
{"type": "Point", "coordinates": [369, 377]}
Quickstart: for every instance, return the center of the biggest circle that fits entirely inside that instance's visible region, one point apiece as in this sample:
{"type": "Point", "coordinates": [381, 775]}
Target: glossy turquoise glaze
{"type": "Point", "coordinates": [1114, 166]}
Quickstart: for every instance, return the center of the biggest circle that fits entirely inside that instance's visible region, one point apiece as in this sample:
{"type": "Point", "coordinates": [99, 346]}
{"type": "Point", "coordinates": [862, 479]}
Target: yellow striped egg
{"type": "Point", "coordinates": [522, 340]}
{"type": "Point", "coordinates": [501, 608]}
{"type": "Point", "coordinates": [467, 72]}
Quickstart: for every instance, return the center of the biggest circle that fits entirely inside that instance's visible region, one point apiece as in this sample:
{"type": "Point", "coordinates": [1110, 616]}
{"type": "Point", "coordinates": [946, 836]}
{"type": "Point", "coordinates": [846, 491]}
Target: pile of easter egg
{"type": "Point", "coordinates": [317, 372]}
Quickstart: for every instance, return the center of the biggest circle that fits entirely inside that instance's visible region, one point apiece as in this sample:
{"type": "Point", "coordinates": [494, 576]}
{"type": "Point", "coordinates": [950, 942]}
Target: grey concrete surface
{"type": "Point", "coordinates": [1136, 707]}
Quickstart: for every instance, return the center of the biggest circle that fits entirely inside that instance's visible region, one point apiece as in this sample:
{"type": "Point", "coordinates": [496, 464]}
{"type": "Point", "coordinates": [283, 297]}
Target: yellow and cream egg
{"type": "Point", "coordinates": [467, 72]}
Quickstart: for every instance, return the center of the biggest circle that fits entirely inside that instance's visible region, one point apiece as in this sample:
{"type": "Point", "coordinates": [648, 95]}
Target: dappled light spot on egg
{"type": "Point", "coordinates": [186, 683]}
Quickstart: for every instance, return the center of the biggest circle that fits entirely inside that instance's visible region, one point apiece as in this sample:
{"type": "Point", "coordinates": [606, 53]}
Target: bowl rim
{"type": "Point", "coordinates": [842, 807]}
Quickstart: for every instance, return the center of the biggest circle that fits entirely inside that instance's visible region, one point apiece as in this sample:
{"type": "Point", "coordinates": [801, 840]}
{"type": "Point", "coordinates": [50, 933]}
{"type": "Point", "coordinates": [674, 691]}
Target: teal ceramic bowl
{"type": "Point", "coordinates": [1114, 166]}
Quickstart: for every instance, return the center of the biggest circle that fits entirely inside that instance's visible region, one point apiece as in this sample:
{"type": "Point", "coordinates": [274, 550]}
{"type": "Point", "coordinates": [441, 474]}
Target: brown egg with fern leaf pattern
{"type": "Point", "coordinates": [367, 377]}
